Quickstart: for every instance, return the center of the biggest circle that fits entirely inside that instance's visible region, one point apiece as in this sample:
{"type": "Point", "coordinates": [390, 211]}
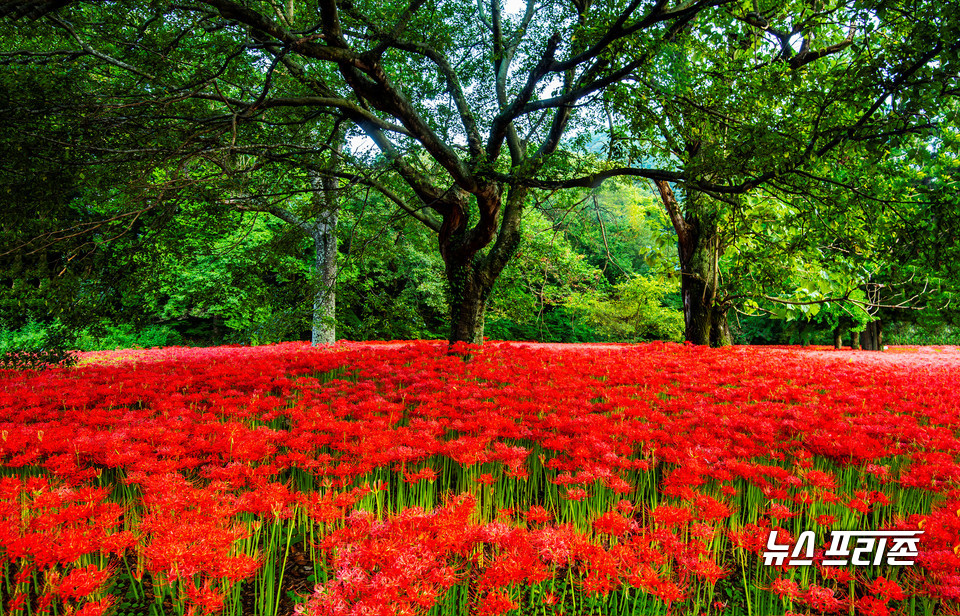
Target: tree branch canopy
{"type": "Point", "coordinates": [462, 110]}
{"type": "Point", "coordinates": [401, 73]}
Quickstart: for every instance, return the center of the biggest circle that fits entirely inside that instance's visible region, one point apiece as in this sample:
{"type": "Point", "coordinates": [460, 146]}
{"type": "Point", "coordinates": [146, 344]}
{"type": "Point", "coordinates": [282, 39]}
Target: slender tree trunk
{"type": "Point", "coordinates": [698, 289]}
{"type": "Point", "coordinates": [838, 337]}
{"type": "Point", "coordinates": [855, 341]}
{"type": "Point", "coordinates": [324, 325]}
{"type": "Point", "coordinates": [326, 193]}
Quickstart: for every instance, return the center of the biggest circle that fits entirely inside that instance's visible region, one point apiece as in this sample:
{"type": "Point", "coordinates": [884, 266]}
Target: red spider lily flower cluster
{"type": "Point", "coordinates": [605, 478]}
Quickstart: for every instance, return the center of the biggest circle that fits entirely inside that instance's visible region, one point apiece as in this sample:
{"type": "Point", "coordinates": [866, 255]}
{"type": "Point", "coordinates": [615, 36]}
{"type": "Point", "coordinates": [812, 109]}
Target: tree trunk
{"type": "Point", "coordinates": [838, 337]}
{"type": "Point", "coordinates": [471, 275]}
{"type": "Point", "coordinates": [326, 198]}
{"type": "Point", "coordinates": [469, 291]}
{"type": "Point", "coordinates": [697, 304]}
{"type": "Point", "coordinates": [324, 323]}
{"type": "Point", "coordinates": [855, 341]}
{"type": "Point", "coordinates": [699, 248]}
{"type": "Point", "coordinates": [720, 335]}
{"type": "Point", "coordinates": [871, 338]}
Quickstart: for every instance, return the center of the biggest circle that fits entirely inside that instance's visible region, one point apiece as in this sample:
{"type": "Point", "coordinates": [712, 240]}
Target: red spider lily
{"type": "Point", "coordinates": [538, 515]}
{"type": "Point", "coordinates": [786, 588]}
{"type": "Point", "coordinates": [205, 599]}
{"type": "Point", "coordinates": [618, 485]}
{"type": "Point", "coordinates": [612, 523]}
{"type": "Point", "coordinates": [887, 589]}
{"type": "Point", "coordinates": [709, 571]}
{"type": "Point", "coordinates": [670, 517]}
{"type": "Point", "coordinates": [825, 520]}
{"type": "Point", "coordinates": [17, 602]}
{"type": "Point", "coordinates": [752, 538]}
{"type": "Point", "coordinates": [496, 602]}
{"type": "Point", "coordinates": [424, 473]}
{"type": "Point", "coordinates": [823, 599]}
{"type": "Point", "coordinates": [708, 508]}
{"type": "Point", "coordinates": [83, 582]}
{"type": "Point", "coordinates": [858, 504]}
{"type": "Point", "coordinates": [881, 472]}
{"type": "Point", "coordinates": [780, 512]}
{"type": "Point", "coordinates": [669, 592]}
{"type": "Point", "coordinates": [92, 608]}
{"type": "Point", "coordinates": [839, 574]}
{"type": "Point", "coordinates": [198, 439]}
{"type": "Point", "coordinates": [820, 479]}
{"type": "Point", "coordinates": [871, 606]}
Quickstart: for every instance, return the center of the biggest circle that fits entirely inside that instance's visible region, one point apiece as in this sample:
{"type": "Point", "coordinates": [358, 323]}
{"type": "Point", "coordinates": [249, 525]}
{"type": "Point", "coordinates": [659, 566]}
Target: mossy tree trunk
{"type": "Point", "coordinates": [471, 271]}
{"type": "Point", "coordinates": [699, 247]}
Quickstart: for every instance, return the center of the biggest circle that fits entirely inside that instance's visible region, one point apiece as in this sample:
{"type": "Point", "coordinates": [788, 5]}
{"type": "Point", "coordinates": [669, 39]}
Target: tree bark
{"type": "Point", "coordinates": [324, 325]}
{"type": "Point", "coordinates": [871, 338]}
{"type": "Point", "coordinates": [698, 288]}
{"type": "Point", "coordinates": [720, 335]}
{"type": "Point", "coordinates": [471, 274]}
{"type": "Point", "coordinates": [323, 231]}
{"type": "Point", "coordinates": [468, 301]}
{"type": "Point", "coordinates": [838, 337]}
{"type": "Point", "coordinates": [699, 248]}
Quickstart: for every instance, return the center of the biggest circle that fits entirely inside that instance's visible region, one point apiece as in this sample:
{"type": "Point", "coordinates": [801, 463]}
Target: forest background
{"type": "Point", "coordinates": [248, 172]}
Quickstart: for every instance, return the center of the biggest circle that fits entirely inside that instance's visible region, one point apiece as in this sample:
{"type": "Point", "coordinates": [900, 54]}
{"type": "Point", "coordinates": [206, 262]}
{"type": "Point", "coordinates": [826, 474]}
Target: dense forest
{"type": "Point", "coordinates": [241, 171]}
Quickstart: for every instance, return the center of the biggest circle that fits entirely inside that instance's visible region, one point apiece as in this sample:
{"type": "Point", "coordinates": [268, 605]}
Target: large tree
{"type": "Point", "coordinates": [794, 105]}
{"type": "Point", "coordinates": [473, 106]}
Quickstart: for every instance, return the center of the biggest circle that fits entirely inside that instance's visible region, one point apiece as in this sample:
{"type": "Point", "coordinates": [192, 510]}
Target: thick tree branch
{"type": "Point", "coordinates": [503, 123]}
{"type": "Point", "coordinates": [454, 88]}
{"type": "Point", "coordinates": [592, 86]}
{"type": "Point", "coordinates": [349, 108]}
{"type": "Point", "coordinates": [398, 28]}
{"type": "Point", "coordinates": [901, 78]}
{"type": "Point", "coordinates": [336, 51]}
{"type": "Point", "coordinates": [283, 214]}
{"type": "Point", "coordinates": [592, 180]}
{"type": "Point", "coordinates": [685, 232]}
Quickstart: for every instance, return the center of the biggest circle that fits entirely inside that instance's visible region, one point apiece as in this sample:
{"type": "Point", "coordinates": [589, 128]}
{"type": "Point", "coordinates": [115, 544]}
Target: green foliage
{"type": "Point", "coordinates": [125, 336]}
{"type": "Point", "coordinates": [620, 228]}
{"type": "Point", "coordinates": [633, 311]}
{"type": "Point", "coordinates": [115, 189]}
{"type": "Point", "coordinates": [576, 245]}
{"type": "Point", "coordinates": [241, 271]}
{"type": "Point", "coordinates": [33, 347]}
{"type": "Point", "coordinates": [915, 334]}
{"type": "Point", "coordinates": [758, 329]}
{"type": "Point", "coordinates": [546, 270]}
{"type": "Point", "coordinates": [31, 335]}
{"type": "Point", "coordinates": [555, 324]}
{"type": "Point", "coordinates": [390, 285]}
{"type": "Point", "coordinates": [35, 336]}
{"type": "Point", "coordinates": [922, 261]}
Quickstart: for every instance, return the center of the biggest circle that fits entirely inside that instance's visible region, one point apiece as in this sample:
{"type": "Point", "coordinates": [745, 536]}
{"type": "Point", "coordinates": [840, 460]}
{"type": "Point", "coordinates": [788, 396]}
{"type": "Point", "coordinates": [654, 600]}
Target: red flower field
{"type": "Point", "coordinates": [530, 479]}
